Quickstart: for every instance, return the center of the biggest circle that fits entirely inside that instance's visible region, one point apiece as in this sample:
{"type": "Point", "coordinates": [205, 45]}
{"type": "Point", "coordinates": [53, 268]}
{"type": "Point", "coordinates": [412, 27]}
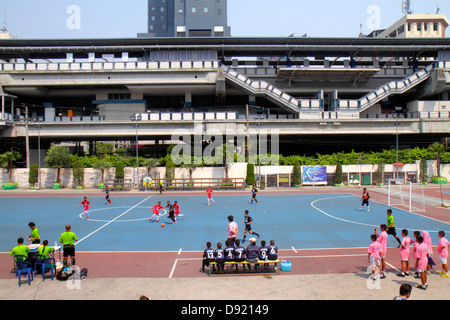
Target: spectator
{"type": "Point", "coordinates": [252, 252]}
{"type": "Point", "coordinates": [20, 250]}
{"type": "Point", "coordinates": [405, 292]}
{"type": "Point", "coordinates": [34, 236]}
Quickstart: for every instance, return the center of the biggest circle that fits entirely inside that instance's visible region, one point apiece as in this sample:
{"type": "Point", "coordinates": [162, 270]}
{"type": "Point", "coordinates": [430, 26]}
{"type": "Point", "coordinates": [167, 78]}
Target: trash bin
{"type": "Point", "coordinates": [262, 185]}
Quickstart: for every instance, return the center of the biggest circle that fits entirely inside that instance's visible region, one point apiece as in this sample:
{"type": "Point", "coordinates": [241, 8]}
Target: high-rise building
{"type": "Point", "coordinates": [187, 18]}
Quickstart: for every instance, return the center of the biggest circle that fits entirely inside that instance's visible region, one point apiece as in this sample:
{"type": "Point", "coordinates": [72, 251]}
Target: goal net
{"type": "Point", "coordinates": [407, 195]}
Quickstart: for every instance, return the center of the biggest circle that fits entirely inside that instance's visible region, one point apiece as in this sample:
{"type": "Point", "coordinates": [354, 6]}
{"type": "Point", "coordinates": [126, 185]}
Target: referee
{"type": "Point", "coordinates": [68, 239]}
{"type": "Point", "coordinates": [391, 226]}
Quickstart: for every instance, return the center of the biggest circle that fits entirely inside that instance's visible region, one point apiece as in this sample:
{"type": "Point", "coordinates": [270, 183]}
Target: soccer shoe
{"type": "Point", "coordinates": [422, 287]}
{"type": "Point", "coordinates": [445, 276]}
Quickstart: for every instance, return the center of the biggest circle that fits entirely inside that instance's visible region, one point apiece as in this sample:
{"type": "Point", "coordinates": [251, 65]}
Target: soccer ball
{"type": "Point", "coordinates": [163, 224]}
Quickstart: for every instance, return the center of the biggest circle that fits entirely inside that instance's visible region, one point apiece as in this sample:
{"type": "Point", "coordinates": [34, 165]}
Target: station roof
{"type": "Point", "coordinates": [227, 47]}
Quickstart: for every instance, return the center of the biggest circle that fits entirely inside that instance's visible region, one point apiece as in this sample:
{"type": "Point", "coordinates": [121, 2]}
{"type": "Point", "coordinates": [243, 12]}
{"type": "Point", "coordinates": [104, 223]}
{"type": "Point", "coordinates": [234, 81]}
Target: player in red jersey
{"type": "Point", "coordinates": [155, 211]}
{"type": "Point", "coordinates": [177, 209]}
{"type": "Point", "coordinates": [86, 204]}
{"type": "Point", "coordinates": [209, 193]}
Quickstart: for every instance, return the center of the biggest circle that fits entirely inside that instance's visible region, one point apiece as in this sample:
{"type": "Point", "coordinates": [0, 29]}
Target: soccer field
{"type": "Point", "coordinates": [299, 221]}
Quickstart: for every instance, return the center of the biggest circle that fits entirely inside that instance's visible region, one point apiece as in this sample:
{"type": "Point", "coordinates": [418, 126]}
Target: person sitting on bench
{"type": "Point", "coordinates": [252, 252]}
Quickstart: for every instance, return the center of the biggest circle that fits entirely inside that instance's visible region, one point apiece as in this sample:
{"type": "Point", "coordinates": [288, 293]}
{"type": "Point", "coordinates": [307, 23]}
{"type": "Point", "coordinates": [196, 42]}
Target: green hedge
{"type": "Point", "coordinates": [344, 158]}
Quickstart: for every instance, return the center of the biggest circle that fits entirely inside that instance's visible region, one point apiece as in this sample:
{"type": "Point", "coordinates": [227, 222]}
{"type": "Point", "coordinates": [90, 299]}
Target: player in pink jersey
{"type": "Point", "coordinates": [442, 249]}
{"type": "Point", "coordinates": [405, 253]}
{"type": "Point", "coordinates": [427, 240]}
{"type": "Point", "coordinates": [422, 262]}
{"type": "Point", "coordinates": [416, 244]}
{"type": "Point", "coordinates": [374, 252]}
{"type": "Point", "coordinates": [382, 239]}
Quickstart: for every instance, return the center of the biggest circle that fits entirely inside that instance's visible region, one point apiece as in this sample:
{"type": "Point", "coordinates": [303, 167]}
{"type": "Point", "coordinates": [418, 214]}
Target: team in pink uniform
{"type": "Point", "coordinates": [422, 251]}
{"type": "Point", "coordinates": [442, 249]}
{"type": "Point", "coordinates": [374, 254]}
{"type": "Point", "coordinates": [405, 252]}
{"type": "Point", "coordinates": [422, 262]}
{"type": "Point", "coordinates": [382, 239]}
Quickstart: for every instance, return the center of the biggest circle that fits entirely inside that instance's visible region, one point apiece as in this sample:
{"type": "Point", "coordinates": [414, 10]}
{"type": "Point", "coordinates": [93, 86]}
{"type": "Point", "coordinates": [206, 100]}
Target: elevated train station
{"type": "Point", "coordinates": [319, 94]}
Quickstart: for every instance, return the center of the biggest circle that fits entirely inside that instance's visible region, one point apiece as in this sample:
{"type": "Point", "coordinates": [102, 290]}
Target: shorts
{"type": "Point", "coordinates": [391, 231]}
{"type": "Point", "coordinates": [68, 250]}
{"type": "Point", "coordinates": [443, 260]}
{"type": "Point", "coordinates": [252, 260]}
{"type": "Point", "coordinates": [365, 201]}
{"type": "Point", "coordinates": [248, 227]}
{"type": "Point", "coordinates": [375, 261]}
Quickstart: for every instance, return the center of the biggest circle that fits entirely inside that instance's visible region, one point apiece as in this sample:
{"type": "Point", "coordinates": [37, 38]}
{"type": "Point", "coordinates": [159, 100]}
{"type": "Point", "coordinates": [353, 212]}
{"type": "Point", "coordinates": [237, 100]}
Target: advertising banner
{"type": "Point", "coordinates": [315, 175]}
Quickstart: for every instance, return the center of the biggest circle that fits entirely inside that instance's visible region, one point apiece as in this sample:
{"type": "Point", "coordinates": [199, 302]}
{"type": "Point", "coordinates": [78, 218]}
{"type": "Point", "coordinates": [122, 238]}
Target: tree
{"type": "Point", "coordinates": [7, 159]}
{"type": "Point", "coordinates": [58, 157]}
{"type": "Point", "coordinates": [338, 176]}
{"type": "Point", "coordinates": [149, 164]}
{"type": "Point", "coordinates": [120, 170]}
{"type": "Point", "coordinates": [102, 165]}
{"type": "Point", "coordinates": [379, 174]}
{"type": "Point", "coordinates": [250, 179]}
{"type": "Point", "coordinates": [438, 148]}
{"type": "Point", "coordinates": [33, 174]}
{"type": "Point", "coordinates": [170, 171]}
{"type": "Point", "coordinates": [296, 178]}
{"type": "Point", "coordinates": [423, 177]}
{"type": "Point", "coordinates": [190, 166]}
{"type": "Point", "coordinates": [78, 173]}
{"type": "Point", "coordinates": [104, 149]}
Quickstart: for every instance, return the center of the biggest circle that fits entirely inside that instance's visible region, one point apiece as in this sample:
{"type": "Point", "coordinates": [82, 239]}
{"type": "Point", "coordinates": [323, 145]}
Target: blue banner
{"type": "Point", "coordinates": [315, 175]}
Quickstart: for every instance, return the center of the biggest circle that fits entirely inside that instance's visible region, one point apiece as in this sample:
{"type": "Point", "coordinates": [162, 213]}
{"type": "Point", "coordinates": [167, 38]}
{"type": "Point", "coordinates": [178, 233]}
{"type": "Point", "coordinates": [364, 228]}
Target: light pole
{"type": "Point", "coordinates": [38, 120]}
{"type": "Point", "coordinates": [136, 118]}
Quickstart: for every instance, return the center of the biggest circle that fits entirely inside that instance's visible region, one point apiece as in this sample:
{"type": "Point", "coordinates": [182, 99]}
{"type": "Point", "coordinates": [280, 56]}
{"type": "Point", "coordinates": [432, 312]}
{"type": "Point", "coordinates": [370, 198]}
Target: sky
{"type": "Point", "coordinates": [68, 19]}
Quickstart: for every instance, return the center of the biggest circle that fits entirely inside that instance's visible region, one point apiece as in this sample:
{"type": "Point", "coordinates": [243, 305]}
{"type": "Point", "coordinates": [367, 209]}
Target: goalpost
{"type": "Point", "coordinates": [406, 194]}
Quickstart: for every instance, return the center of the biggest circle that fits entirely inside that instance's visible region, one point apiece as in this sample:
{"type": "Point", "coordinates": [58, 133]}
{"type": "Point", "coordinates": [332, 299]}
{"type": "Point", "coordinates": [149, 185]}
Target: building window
{"type": "Point", "coordinates": [119, 96]}
{"type": "Point", "coordinates": [194, 9]}
{"type": "Point", "coordinates": [205, 9]}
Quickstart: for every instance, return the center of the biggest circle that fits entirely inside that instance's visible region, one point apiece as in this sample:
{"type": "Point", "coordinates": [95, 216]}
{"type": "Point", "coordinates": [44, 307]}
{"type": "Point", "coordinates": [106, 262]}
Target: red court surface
{"type": "Point", "coordinates": [187, 264]}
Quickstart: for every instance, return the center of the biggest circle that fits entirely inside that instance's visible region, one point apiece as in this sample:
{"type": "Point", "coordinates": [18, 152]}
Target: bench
{"type": "Point", "coordinates": [262, 266]}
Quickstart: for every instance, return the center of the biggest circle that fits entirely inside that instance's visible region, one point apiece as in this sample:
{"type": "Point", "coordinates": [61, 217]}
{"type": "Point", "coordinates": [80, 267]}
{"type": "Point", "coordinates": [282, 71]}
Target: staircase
{"type": "Point", "coordinates": [262, 88]}
{"type": "Point", "coordinates": [290, 104]}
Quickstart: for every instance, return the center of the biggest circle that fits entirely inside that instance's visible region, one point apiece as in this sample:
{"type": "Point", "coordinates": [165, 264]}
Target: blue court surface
{"type": "Point", "coordinates": [300, 221]}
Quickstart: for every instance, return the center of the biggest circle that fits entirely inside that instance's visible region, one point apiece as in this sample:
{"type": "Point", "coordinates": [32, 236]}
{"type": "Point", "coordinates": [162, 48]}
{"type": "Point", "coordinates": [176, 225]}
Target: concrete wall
{"type": "Point", "coordinates": [236, 170]}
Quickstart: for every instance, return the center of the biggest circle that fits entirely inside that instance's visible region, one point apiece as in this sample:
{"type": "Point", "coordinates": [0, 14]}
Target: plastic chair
{"type": "Point", "coordinates": [47, 264]}
{"type": "Point", "coordinates": [23, 266]}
